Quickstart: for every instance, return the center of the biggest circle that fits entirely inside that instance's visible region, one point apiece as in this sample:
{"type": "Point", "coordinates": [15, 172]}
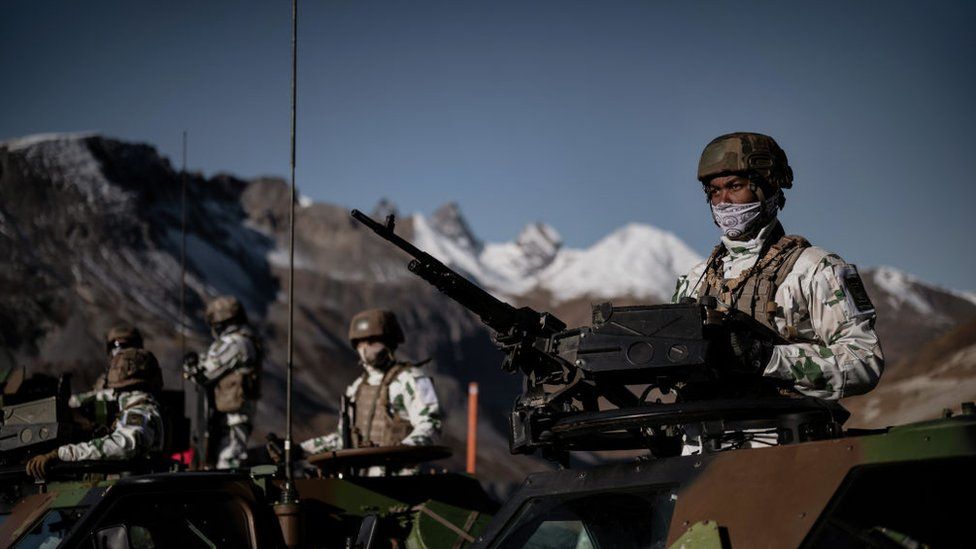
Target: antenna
{"type": "Point", "coordinates": [183, 259]}
{"type": "Point", "coordinates": [288, 493]}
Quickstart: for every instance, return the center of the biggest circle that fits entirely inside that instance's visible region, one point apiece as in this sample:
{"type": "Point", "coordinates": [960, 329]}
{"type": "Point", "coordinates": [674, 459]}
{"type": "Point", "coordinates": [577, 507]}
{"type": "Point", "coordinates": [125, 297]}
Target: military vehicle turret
{"type": "Point", "coordinates": [737, 460]}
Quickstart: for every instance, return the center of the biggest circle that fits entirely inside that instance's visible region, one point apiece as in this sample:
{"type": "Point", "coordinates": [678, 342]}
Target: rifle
{"type": "Point", "coordinates": [345, 423]}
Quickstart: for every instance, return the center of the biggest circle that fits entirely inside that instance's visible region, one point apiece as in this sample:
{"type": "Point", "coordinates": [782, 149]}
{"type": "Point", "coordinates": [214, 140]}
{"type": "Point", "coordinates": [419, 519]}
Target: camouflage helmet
{"type": "Point", "coordinates": [123, 336]}
{"type": "Point", "coordinates": [134, 367]}
{"type": "Point", "coordinates": [375, 323]}
{"type": "Point", "coordinates": [744, 153]}
{"type": "Point", "coordinates": [225, 308]}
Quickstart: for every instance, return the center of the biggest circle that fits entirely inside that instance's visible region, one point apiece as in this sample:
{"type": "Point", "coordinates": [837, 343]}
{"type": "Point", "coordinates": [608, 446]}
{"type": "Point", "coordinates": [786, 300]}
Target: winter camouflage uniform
{"type": "Point", "coordinates": [137, 432]}
{"type": "Point", "coordinates": [235, 351]}
{"type": "Point", "coordinates": [834, 351]}
{"type": "Point", "coordinates": [134, 375]}
{"type": "Point", "coordinates": [810, 297]}
{"type": "Point", "coordinates": [411, 398]}
{"type": "Point", "coordinates": [392, 403]}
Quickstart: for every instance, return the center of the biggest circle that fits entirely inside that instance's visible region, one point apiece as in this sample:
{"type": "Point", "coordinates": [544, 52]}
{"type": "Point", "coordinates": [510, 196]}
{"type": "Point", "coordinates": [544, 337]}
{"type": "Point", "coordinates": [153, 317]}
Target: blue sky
{"type": "Point", "coordinates": [585, 115]}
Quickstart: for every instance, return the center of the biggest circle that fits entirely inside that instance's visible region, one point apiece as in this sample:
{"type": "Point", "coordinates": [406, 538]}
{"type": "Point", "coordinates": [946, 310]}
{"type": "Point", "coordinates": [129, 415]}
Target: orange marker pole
{"type": "Point", "coordinates": [472, 427]}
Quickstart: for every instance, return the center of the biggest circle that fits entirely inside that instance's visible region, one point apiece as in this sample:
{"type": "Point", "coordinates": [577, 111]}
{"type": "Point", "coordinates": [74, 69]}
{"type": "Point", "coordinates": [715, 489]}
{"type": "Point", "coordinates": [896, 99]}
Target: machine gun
{"type": "Point", "coordinates": [568, 371]}
{"type": "Point", "coordinates": [516, 329]}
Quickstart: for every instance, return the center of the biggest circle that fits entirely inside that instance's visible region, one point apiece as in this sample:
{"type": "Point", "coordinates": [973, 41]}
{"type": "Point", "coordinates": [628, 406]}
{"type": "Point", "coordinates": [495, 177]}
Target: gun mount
{"type": "Point", "coordinates": [575, 392]}
{"type": "Point", "coordinates": [28, 425]}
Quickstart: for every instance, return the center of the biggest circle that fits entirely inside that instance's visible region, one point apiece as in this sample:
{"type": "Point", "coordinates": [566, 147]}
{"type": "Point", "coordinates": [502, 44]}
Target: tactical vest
{"type": "Point", "coordinates": [243, 383]}
{"type": "Point", "coordinates": [375, 423]}
{"type": "Point", "coordinates": [754, 290]}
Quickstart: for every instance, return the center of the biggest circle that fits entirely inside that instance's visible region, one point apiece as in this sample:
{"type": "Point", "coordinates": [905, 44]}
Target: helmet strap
{"type": "Point", "coordinates": [765, 188]}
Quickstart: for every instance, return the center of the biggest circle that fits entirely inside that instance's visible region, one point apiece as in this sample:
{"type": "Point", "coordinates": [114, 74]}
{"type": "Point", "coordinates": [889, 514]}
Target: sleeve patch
{"type": "Point", "coordinates": [134, 420]}
{"type": "Point", "coordinates": [857, 295]}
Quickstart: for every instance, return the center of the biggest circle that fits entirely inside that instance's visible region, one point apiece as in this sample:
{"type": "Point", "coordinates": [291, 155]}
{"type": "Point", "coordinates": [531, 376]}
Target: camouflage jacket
{"type": "Point", "coordinates": [234, 349]}
{"type": "Point", "coordinates": [137, 432]}
{"type": "Point", "coordinates": [412, 397]}
{"type": "Point", "coordinates": [834, 351]}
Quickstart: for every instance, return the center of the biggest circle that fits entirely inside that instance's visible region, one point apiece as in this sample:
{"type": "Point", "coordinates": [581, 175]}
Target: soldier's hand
{"type": "Point", "coordinates": [739, 342]}
{"type": "Point", "coordinates": [753, 353]}
{"type": "Point", "coordinates": [275, 447]}
{"type": "Point", "coordinates": [37, 466]}
{"type": "Point", "coordinates": [191, 365]}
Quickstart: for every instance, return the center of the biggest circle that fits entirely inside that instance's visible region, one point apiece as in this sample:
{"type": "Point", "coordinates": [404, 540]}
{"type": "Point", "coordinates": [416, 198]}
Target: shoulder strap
{"type": "Point", "coordinates": [791, 256]}
{"type": "Point", "coordinates": [712, 273]}
{"type": "Point", "coordinates": [758, 297]}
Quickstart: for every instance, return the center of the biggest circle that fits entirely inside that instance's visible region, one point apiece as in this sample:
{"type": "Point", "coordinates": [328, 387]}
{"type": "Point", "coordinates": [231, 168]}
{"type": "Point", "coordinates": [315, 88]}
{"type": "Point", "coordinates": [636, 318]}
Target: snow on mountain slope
{"type": "Point", "coordinates": [534, 249]}
{"type": "Point", "coordinates": [637, 260]}
{"type": "Point", "coordinates": [69, 158]}
{"type": "Point", "coordinates": [968, 296]}
{"type": "Point", "coordinates": [906, 293]}
{"type": "Point", "coordinates": [457, 253]}
{"type": "Point", "coordinates": [901, 289]}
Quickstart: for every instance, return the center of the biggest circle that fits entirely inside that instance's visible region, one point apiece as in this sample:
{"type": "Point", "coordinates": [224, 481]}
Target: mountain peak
{"type": "Point", "coordinates": [448, 221]}
{"type": "Point", "coordinates": [539, 236]}
{"type": "Point", "coordinates": [539, 244]}
{"type": "Point", "coordinates": [19, 143]}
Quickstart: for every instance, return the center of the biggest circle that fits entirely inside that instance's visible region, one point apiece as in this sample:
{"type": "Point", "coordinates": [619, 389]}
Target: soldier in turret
{"type": "Point", "coordinates": [135, 378]}
{"type": "Point", "coordinates": [231, 373]}
{"type": "Point", "coordinates": [118, 337]}
{"type": "Point", "coordinates": [809, 296]}
{"type": "Point", "coordinates": [392, 403]}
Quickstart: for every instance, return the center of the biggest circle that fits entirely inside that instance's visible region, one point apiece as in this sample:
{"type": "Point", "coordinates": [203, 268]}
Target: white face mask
{"type": "Point", "coordinates": [375, 353]}
{"type": "Point", "coordinates": [735, 220]}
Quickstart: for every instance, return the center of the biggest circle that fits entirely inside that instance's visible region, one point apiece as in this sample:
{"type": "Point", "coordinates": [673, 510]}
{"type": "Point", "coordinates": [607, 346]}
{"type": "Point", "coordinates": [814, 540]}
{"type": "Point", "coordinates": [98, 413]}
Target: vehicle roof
{"type": "Point", "coordinates": [763, 496]}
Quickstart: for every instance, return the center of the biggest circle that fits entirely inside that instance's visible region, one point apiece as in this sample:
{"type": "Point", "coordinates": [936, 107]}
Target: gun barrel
{"type": "Point", "coordinates": [386, 232]}
{"type": "Point", "coordinates": [493, 312]}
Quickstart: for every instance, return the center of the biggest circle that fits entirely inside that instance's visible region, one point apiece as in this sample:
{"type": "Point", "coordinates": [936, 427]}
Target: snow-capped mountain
{"type": "Point", "coordinates": [904, 291]}
{"type": "Point", "coordinates": [636, 261]}
{"type": "Point", "coordinates": [534, 249]}
{"type": "Point", "coordinates": [912, 312]}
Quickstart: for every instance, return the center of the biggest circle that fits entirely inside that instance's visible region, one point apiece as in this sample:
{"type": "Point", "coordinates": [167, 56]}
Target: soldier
{"type": "Point", "coordinates": [231, 373]}
{"type": "Point", "coordinates": [392, 403]}
{"type": "Point", "coordinates": [812, 298]}
{"type": "Point", "coordinates": [135, 378]}
{"type": "Point", "coordinates": [119, 337]}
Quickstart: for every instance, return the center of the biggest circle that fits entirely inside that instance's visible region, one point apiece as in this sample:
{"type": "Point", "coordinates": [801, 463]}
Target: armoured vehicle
{"type": "Point", "coordinates": [766, 467]}
{"type": "Point", "coordinates": [233, 509]}
{"type": "Point", "coordinates": [156, 503]}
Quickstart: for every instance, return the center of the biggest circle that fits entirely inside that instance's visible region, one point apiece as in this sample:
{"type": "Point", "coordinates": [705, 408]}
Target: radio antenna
{"type": "Point", "coordinates": [289, 495]}
{"type": "Point", "coordinates": [183, 257]}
